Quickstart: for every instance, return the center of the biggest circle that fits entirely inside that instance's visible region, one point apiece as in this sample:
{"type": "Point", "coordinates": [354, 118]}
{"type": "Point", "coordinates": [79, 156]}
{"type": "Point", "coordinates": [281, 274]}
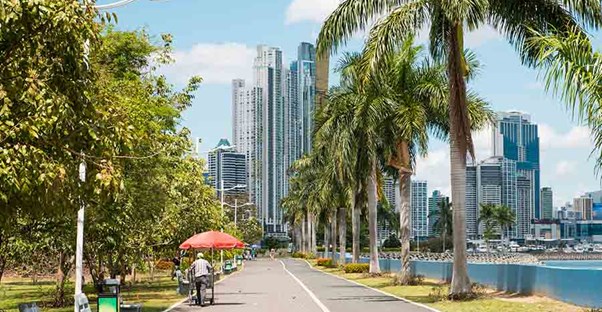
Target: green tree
{"type": "Point", "coordinates": [444, 220]}
{"type": "Point", "coordinates": [488, 218]}
{"type": "Point", "coordinates": [448, 21]}
{"type": "Point", "coordinates": [505, 217]}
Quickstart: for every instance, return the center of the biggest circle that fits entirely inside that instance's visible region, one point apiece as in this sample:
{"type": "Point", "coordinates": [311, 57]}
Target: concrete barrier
{"type": "Point", "coordinates": [580, 286]}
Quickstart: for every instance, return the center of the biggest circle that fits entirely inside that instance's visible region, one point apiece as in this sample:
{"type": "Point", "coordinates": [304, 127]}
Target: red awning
{"type": "Point", "coordinates": [212, 239]}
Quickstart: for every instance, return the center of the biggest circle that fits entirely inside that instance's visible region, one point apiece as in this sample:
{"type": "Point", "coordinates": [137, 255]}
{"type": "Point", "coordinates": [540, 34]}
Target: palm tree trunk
{"type": "Point", "coordinates": [333, 235]}
{"type": "Point", "coordinates": [326, 240]}
{"type": "Point", "coordinates": [458, 151]}
{"type": "Point", "coordinates": [304, 234]}
{"type": "Point", "coordinates": [355, 228]}
{"type": "Point", "coordinates": [313, 234]}
{"type": "Point", "coordinates": [342, 235]}
{"type": "Point", "coordinates": [372, 219]}
{"type": "Point", "coordinates": [405, 184]}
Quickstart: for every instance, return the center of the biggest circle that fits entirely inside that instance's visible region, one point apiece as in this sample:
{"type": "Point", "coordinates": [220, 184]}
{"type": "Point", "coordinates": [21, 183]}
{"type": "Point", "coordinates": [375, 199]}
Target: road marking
{"type": "Point", "coordinates": [377, 290]}
{"type": "Point", "coordinates": [309, 292]}
{"type": "Point", "coordinates": [173, 306]}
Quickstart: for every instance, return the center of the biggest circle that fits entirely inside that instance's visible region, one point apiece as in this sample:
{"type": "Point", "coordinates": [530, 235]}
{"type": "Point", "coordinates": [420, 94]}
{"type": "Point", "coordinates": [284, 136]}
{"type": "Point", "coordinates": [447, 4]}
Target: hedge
{"type": "Point", "coordinates": [356, 268]}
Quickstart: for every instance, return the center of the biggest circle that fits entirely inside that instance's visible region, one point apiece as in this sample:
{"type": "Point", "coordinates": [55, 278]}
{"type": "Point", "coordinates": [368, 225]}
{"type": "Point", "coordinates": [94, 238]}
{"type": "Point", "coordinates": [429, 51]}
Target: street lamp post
{"type": "Point", "coordinates": [222, 190]}
{"type": "Point", "coordinates": [236, 206]}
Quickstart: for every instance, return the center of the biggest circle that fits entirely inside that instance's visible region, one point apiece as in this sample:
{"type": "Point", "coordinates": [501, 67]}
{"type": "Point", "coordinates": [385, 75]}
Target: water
{"type": "Point", "coordinates": [581, 264]}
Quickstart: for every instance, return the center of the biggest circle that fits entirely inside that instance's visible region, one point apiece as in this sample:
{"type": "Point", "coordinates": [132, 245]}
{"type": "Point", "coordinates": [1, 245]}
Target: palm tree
{"type": "Point", "coordinates": [448, 20]}
{"type": "Point", "coordinates": [416, 89]}
{"type": "Point", "coordinates": [505, 219]}
{"type": "Point", "coordinates": [488, 218]}
{"type": "Point", "coordinates": [574, 69]}
{"type": "Point", "coordinates": [443, 223]}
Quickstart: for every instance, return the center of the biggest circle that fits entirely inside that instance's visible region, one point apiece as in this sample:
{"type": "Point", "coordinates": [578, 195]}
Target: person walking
{"type": "Point", "coordinates": [176, 266]}
{"type": "Point", "coordinates": [273, 254]}
{"type": "Point", "coordinates": [201, 269]}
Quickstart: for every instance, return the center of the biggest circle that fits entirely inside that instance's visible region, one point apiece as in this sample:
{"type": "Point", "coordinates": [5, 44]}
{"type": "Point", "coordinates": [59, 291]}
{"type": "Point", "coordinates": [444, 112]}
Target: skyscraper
{"type": "Point", "coordinates": [547, 203]}
{"type": "Point", "coordinates": [492, 181]}
{"type": "Point", "coordinates": [272, 125]}
{"type": "Point", "coordinates": [516, 138]}
{"type": "Point", "coordinates": [433, 203]}
{"type": "Point", "coordinates": [226, 165]}
{"type": "Point", "coordinates": [246, 127]}
{"type": "Point", "coordinates": [306, 66]}
{"type": "Point", "coordinates": [419, 210]}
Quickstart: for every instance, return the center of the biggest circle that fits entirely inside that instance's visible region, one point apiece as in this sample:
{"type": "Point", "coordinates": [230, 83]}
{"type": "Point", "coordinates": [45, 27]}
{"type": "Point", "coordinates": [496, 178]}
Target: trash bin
{"type": "Point", "coordinates": [108, 299]}
{"type": "Point", "coordinates": [238, 260]}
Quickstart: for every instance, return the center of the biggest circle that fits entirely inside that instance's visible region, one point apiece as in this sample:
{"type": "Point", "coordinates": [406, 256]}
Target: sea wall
{"type": "Point", "coordinates": [580, 286]}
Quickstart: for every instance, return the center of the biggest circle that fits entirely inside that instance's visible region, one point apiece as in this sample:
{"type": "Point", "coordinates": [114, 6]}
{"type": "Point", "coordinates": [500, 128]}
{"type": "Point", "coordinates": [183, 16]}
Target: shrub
{"type": "Point", "coordinates": [356, 268]}
{"type": "Point", "coordinates": [163, 265]}
{"type": "Point", "coordinates": [325, 262]}
{"type": "Point", "coordinates": [299, 255]}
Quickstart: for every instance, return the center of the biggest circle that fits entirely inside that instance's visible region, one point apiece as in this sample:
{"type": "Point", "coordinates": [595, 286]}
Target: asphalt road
{"type": "Point", "coordinates": [292, 286]}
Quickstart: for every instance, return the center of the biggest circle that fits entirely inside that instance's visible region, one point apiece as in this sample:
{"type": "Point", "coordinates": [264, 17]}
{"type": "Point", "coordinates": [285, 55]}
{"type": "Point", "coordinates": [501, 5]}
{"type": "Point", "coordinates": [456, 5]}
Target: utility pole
{"type": "Point", "coordinates": [79, 244]}
{"type": "Point", "coordinates": [235, 211]}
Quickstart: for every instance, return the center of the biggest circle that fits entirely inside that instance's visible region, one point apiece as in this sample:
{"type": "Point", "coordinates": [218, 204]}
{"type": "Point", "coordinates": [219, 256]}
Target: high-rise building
{"type": "Point", "coordinates": [272, 125]}
{"type": "Point", "coordinates": [516, 138]}
{"type": "Point", "coordinates": [419, 210]}
{"type": "Point", "coordinates": [433, 216]}
{"type": "Point", "coordinates": [583, 208]}
{"type": "Point", "coordinates": [492, 181]}
{"type": "Point", "coordinates": [306, 66]}
{"type": "Point", "coordinates": [547, 203]}
{"type": "Point", "coordinates": [227, 166]}
{"type": "Point", "coordinates": [246, 131]}
{"type": "Point", "coordinates": [390, 189]}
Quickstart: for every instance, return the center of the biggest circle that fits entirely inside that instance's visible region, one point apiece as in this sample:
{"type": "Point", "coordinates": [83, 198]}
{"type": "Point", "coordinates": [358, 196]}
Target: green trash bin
{"type": "Point", "coordinates": [238, 260]}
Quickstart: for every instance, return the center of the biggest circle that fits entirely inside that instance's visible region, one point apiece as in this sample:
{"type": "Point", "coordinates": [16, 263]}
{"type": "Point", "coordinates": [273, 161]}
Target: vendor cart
{"type": "Point", "coordinates": [206, 241]}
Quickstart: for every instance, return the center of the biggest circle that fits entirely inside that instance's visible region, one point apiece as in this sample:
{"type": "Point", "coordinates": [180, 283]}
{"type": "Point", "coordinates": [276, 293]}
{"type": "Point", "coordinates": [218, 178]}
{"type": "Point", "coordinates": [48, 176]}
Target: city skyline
{"type": "Point", "coordinates": [227, 52]}
{"type": "Point", "coordinates": [272, 117]}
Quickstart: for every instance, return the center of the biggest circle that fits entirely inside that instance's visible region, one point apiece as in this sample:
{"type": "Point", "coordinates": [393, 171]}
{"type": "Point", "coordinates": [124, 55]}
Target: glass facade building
{"type": "Point", "coordinates": [419, 210]}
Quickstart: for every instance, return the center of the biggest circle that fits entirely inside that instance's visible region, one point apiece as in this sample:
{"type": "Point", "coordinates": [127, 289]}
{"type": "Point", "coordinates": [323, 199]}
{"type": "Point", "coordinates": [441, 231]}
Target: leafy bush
{"type": "Point", "coordinates": [325, 262]}
{"type": "Point", "coordinates": [164, 265]}
{"type": "Point", "coordinates": [356, 268]}
{"type": "Point", "coordinates": [392, 242]}
{"type": "Point", "coordinates": [299, 255]}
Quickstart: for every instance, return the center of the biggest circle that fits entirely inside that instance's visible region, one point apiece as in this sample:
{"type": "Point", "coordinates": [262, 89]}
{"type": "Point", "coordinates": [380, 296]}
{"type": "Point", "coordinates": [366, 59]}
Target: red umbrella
{"type": "Point", "coordinates": [212, 240]}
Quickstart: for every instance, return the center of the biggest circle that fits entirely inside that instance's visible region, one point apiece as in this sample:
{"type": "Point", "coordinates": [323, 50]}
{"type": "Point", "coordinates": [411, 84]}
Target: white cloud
{"type": "Point", "coordinates": [482, 143]}
{"type": "Point", "coordinates": [215, 63]}
{"type": "Point", "coordinates": [309, 10]}
{"type": "Point", "coordinates": [577, 137]}
{"type": "Point", "coordinates": [435, 169]}
{"type": "Point", "coordinates": [565, 168]}
{"type": "Point", "coordinates": [480, 36]}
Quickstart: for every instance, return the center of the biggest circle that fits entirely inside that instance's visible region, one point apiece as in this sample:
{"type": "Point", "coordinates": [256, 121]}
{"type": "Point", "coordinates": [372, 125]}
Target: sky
{"type": "Point", "coordinates": [217, 40]}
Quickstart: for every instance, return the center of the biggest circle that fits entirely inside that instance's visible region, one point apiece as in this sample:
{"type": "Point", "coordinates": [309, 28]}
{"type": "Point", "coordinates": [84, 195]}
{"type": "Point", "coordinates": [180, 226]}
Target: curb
{"type": "Point", "coordinates": [175, 305]}
{"type": "Point", "coordinates": [377, 290]}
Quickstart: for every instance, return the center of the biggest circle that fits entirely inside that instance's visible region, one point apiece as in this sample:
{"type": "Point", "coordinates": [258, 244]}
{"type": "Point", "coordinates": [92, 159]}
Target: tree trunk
{"type": "Point", "coordinates": [372, 219]}
{"type": "Point", "coordinates": [314, 244]}
{"type": "Point", "coordinates": [333, 235]}
{"type": "Point", "coordinates": [405, 185]}
{"type": "Point", "coordinates": [326, 240]}
{"type": "Point", "coordinates": [304, 234]}
{"type": "Point", "coordinates": [64, 269]}
{"type": "Point", "coordinates": [460, 285]}
{"type": "Point", "coordinates": [342, 235]}
{"type": "Point", "coordinates": [2, 266]}
{"type": "Point", "coordinates": [355, 228]}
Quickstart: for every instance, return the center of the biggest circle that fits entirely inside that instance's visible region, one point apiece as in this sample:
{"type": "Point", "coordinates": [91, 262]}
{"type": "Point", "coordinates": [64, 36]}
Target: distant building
{"type": "Point", "coordinates": [597, 211]}
{"type": "Point", "coordinates": [226, 165]}
{"type": "Point", "coordinates": [493, 181]}
{"type": "Point", "coordinates": [583, 207]}
{"type": "Point", "coordinates": [419, 210]}
{"type": "Point", "coordinates": [595, 196]}
{"type": "Point", "coordinates": [547, 203]}
{"type": "Point", "coordinates": [390, 188]}
{"type": "Point", "coordinates": [516, 138]}
{"type": "Point", "coordinates": [433, 203]}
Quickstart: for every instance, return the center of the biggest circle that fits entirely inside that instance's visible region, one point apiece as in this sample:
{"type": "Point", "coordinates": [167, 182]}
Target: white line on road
{"type": "Point", "coordinates": [309, 292]}
{"type": "Point", "coordinates": [377, 290]}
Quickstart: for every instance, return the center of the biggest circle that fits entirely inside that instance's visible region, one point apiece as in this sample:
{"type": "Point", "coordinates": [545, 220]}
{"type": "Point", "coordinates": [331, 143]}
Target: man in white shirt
{"type": "Point", "coordinates": [201, 269]}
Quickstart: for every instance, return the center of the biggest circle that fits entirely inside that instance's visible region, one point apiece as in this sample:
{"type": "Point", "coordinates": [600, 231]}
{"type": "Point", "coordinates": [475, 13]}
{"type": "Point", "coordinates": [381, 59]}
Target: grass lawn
{"type": "Point", "coordinates": [155, 296]}
{"type": "Point", "coordinates": [431, 293]}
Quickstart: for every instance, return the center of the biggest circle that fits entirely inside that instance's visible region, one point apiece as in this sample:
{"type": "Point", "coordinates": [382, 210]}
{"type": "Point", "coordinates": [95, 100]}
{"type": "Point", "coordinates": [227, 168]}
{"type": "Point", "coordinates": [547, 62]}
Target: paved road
{"type": "Point", "coordinates": [266, 286]}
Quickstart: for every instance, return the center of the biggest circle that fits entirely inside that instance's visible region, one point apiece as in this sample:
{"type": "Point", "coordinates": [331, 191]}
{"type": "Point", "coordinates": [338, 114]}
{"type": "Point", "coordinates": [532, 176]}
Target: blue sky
{"type": "Point", "coordinates": [217, 39]}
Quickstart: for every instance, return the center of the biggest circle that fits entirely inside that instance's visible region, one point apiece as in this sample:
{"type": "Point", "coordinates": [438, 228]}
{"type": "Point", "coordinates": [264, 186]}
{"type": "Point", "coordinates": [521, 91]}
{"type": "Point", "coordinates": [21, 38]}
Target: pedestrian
{"type": "Point", "coordinates": [201, 269]}
{"type": "Point", "coordinates": [272, 254]}
{"type": "Point", "coordinates": [176, 266]}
